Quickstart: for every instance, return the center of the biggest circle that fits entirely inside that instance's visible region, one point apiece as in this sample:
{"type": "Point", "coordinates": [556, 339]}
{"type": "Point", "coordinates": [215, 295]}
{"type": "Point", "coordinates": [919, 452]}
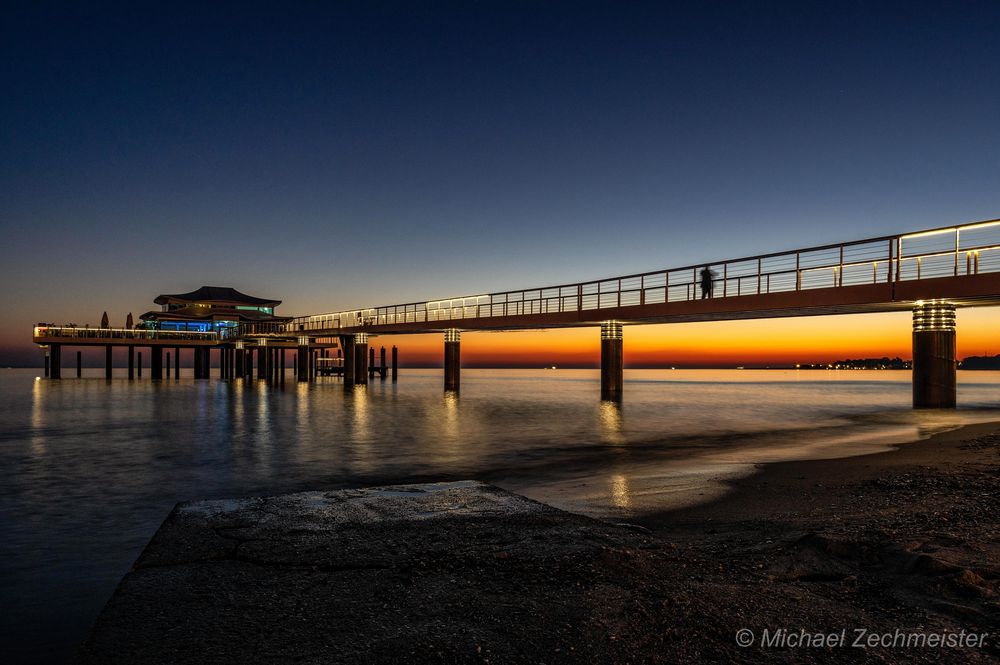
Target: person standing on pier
{"type": "Point", "coordinates": [707, 281]}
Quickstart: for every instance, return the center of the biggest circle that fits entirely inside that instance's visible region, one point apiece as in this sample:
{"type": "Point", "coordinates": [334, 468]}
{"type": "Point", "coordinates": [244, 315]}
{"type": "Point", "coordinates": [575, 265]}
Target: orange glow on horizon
{"type": "Point", "coordinates": [751, 343]}
{"type": "Point", "coordinates": [761, 342]}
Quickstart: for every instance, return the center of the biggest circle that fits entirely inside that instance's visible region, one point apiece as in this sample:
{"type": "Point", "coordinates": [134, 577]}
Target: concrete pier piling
{"type": "Point", "coordinates": [46, 364]}
{"type": "Point", "coordinates": [177, 362]}
{"type": "Point", "coordinates": [55, 361]}
{"type": "Point", "coordinates": [302, 360]}
{"type": "Point", "coordinates": [167, 365]}
{"type": "Point", "coordinates": [79, 363]}
{"type": "Point", "coordinates": [241, 372]}
{"type": "Point", "coordinates": [156, 363]}
{"type": "Point", "coordinates": [197, 363]}
{"type": "Point", "coordinates": [262, 361]}
{"type": "Point", "coordinates": [382, 367]}
{"type": "Point", "coordinates": [611, 361]}
{"type": "Point", "coordinates": [361, 358]}
{"type": "Point", "coordinates": [138, 364]}
{"type": "Point", "coordinates": [347, 344]}
{"type": "Point", "coordinates": [934, 362]}
{"type": "Point", "coordinates": [131, 362]}
{"type": "Point", "coordinates": [281, 376]}
{"type": "Point", "coordinates": [452, 359]}
{"type": "Point", "coordinates": [395, 364]}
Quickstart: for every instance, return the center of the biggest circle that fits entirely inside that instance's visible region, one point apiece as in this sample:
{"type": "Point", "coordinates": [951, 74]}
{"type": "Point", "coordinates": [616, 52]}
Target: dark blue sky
{"type": "Point", "coordinates": [337, 155]}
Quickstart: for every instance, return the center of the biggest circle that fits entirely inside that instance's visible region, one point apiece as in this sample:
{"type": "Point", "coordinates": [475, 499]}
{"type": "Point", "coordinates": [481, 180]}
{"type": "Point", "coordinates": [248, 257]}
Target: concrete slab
{"type": "Point", "coordinates": [450, 572]}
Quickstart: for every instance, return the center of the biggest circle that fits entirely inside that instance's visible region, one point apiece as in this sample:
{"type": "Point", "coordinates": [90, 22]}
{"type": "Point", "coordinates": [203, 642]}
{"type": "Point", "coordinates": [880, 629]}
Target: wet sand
{"type": "Point", "coordinates": [906, 539]}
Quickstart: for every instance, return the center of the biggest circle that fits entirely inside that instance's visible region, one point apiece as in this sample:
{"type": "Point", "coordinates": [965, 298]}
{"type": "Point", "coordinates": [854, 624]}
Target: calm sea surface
{"type": "Point", "coordinates": [90, 467]}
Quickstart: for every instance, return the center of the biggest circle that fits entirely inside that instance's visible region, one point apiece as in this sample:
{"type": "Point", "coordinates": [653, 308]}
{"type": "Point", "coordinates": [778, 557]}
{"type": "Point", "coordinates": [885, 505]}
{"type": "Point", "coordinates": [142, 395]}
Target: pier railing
{"type": "Point", "coordinates": [115, 334]}
{"type": "Point", "coordinates": [967, 249]}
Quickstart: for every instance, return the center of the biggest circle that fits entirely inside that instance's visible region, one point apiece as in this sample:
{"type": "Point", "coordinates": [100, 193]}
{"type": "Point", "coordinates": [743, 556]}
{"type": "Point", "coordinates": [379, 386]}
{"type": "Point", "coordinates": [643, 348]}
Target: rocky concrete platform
{"type": "Point", "coordinates": [444, 572]}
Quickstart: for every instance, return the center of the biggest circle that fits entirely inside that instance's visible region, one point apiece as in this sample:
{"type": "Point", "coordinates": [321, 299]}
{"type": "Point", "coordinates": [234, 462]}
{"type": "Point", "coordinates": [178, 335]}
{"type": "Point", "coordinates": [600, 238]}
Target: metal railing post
{"type": "Point", "coordinates": [956, 252]}
{"type": "Point", "coordinates": [899, 256]}
{"type": "Point", "coordinates": [888, 270]}
{"type": "Point", "coordinates": [839, 277]}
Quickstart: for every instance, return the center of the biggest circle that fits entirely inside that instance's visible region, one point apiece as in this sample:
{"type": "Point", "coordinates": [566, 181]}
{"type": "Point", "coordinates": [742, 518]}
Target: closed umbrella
{"type": "Point", "coordinates": [104, 321]}
{"type": "Point", "coordinates": [128, 321]}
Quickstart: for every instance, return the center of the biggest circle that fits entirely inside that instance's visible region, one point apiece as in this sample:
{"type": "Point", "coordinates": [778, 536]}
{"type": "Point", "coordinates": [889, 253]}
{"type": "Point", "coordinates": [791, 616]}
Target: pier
{"type": "Point", "coordinates": [930, 273]}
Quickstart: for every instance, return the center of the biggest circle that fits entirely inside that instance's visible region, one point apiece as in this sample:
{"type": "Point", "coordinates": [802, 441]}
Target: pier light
{"type": "Point", "coordinates": [262, 341]}
{"type": "Point", "coordinates": [611, 330]}
{"type": "Point", "coordinates": [360, 338]}
{"type": "Point", "coordinates": [303, 341]}
{"type": "Point", "coordinates": [933, 315]}
{"type": "Point", "coordinates": [239, 345]}
{"type": "Point", "coordinates": [452, 335]}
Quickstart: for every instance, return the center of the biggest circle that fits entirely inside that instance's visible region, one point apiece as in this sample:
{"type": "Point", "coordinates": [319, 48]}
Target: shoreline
{"type": "Point", "coordinates": [901, 539]}
{"type": "Point", "coordinates": [757, 493]}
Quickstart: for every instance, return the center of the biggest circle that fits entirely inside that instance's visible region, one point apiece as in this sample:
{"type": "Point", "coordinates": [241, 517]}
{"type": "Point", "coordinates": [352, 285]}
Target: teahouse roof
{"type": "Point", "coordinates": [216, 294]}
{"type": "Point", "coordinates": [204, 314]}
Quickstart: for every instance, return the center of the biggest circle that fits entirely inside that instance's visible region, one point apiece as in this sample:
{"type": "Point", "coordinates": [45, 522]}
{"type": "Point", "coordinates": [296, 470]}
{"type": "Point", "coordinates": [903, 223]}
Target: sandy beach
{"type": "Point", "coordinates": [901, 540]}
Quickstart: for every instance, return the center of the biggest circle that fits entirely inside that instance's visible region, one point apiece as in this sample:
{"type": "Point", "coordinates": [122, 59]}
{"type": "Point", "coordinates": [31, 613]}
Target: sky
{"type": "Point", "coordinates": [341, 155]}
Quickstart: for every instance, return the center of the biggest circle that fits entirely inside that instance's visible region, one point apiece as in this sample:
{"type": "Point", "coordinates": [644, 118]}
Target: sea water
{"type": "Point", "coordinates": [91, 467]}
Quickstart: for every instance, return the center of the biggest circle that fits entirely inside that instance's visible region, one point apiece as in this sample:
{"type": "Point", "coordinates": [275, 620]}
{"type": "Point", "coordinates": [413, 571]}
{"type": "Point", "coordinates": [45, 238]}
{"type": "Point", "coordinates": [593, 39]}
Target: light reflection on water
{"type": "Point", "coordinates": [90, 468]}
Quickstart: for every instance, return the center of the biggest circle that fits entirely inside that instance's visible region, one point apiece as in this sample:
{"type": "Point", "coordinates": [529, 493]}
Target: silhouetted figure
{"type": "Point", "coordinates": [706, 282]}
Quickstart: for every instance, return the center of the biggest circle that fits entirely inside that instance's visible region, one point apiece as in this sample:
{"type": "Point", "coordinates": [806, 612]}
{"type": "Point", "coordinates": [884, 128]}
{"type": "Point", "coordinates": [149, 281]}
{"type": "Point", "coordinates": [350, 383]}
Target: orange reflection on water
{"type": "Point", "coordinates": [611, 422]}
{"type": "Point", "coordinates": [621, 496]}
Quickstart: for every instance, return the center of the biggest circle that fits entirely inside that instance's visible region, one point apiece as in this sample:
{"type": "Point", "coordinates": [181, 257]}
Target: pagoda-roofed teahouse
{"type": "Point", "coordinates": [210, 309]}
